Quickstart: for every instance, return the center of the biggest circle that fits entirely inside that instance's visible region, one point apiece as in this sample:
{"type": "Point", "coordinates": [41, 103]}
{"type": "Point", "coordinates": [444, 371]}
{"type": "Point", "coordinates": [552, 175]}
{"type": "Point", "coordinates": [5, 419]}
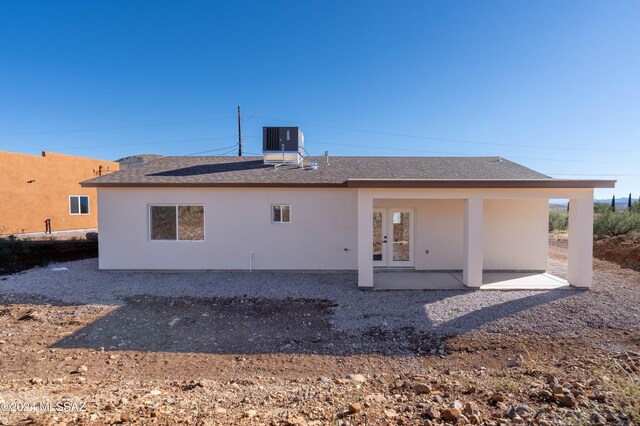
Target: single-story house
{"type": "Point", "coordinates": [282, 211]}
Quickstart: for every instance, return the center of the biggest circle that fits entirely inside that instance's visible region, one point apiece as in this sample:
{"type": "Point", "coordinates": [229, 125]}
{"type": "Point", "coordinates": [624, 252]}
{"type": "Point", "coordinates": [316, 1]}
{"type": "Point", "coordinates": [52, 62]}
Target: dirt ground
{"type": "Point", "coordinates": [156, 361]}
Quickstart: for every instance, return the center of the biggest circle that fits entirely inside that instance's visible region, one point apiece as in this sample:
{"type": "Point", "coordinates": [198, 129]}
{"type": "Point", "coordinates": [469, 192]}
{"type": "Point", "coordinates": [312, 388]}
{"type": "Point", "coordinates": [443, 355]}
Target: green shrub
{"type": "Point", "coordinates": [558, 221]}
{"type": "Point", "coordinates": [616, 223]}
{"type": "Point", "coordinates": [601, 207]}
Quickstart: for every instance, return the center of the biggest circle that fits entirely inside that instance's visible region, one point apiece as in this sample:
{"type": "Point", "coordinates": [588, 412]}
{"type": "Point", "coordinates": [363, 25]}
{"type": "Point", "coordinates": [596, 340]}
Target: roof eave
{"type": "Point", "coordinates": [89, 184]}
{"type": "Point", "coordinates": [479, 183]}
{"type": "Point", "coordinates": [372, 183]}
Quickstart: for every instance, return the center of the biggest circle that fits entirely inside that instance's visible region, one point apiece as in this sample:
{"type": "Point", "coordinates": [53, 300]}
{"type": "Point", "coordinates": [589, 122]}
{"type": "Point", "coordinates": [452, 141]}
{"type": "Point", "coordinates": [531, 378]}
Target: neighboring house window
{"type": "Point", "coordinates": [184, 223]}
{"type": "Point", "coordinates": [280, 213]}
{"type": "Point", "coordinates": [78, 204]}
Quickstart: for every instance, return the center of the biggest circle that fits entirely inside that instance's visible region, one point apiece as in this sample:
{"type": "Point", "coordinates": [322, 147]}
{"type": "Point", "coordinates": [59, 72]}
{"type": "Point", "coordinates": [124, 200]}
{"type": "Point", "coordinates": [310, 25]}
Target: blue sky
{"type": "Point", "coordinates": [552, 85]}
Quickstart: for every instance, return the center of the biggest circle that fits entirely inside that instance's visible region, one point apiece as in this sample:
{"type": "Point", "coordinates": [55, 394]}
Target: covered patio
{"type": "Point", "coordinates": [488, 235]}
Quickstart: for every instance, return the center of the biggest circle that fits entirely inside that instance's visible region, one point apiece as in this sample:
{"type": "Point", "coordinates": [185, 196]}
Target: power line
{"type": "Point", "coordinates": [128, 144]}
{"type": "Point", "coordinates": [231, 150]}
{"type": "Point", "coordinates": [449, 153]}
{"type": "Point", "coordinates": [174, 123]}
{"type": "Point", "coordinates": [439, 138]}
{"type": "Point", "coordinates": [214, 150]}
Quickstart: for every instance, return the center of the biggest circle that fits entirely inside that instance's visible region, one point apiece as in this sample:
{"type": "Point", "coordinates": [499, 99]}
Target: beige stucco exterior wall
{"type": "Point", "coordinates": [324, 224]}
{"type": "Point", "coordinates": [514, 237]}
{"type": "Point", "coordinates": [237, 222]}
{"type": "Point", "coordinates": [516, 234]}
{"type": "Point", "coordinates": [438, 228]}
{"type": "Point", "coordinates": [34, 188]}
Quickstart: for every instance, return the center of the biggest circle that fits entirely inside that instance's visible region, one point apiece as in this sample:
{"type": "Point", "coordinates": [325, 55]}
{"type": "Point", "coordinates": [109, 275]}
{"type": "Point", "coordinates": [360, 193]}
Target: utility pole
{"type": "Point", "coordinates": [239, 135]}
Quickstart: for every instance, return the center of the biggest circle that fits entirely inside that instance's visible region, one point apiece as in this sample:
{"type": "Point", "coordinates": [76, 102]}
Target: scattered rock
{"type": "Point", "coordinates": [450, 414]}
{"type": "Point", "coordinates": [475, 419]}
{"type": "Point", "coordinates": [125, 417]}
{"type": "Point", "coordinates": [421, 388]}
{"type": "Point", "coordinates": [81, 369]}
{"type": "Point", "coordinates": [611, 418]}
{"type": "Point", "coordinates": [470, 408]}
{"type": "Point", "coordinates": [545, 395]}
{"type": "Point", "coordinates": [496, 397]}
{"type": "Point", "coordinates": [36, 381]}
{"type": "Point", "coordinates": [295, 421]}
{"type": "Point", "coordinates": [354, 408]}
{"type": "Point", "coordinates": [250, 414]}
{"type": "Point", "coordinates": [390, 413]}
{"type": "Point", "coordinates": [357, 378]}
{"type": "Point", "coordinates": [568, 401]}
{"type": "Point", "coordinates": [377, 397]}
{"type": "Point", "coordinates": [597, 420]}
{"type": "Point", "coordinates": [515, 361]}
{"type": "Point", "coordinates": [205, 383]}
{"type": "Point", "coordinates": [520, 411]}
{"type": "Point", "coordinates": [433, 412]}
{"type": "Point", "coordinates": [31, 316]}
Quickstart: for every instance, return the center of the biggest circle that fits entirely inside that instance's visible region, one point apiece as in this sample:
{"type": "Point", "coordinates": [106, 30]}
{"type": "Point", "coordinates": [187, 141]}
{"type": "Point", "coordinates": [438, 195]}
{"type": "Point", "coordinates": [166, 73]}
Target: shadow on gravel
{"type": "Point", "coordinates": [267, 326]}
{"type": "Point", "coordinates": [479, 317]}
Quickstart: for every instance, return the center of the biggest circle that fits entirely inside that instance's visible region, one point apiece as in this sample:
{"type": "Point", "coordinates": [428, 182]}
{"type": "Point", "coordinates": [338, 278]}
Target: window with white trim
{"type": "Point", "coordinates": [280, 213]}
{"type": "Point", "coordinates": [78, 204]}
{"type": "Point", "coordinates": [176, 223]}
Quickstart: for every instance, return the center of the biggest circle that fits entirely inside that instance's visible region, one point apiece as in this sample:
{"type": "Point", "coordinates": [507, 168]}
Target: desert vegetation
{"type": "Point", "coordinates": [607, 220]}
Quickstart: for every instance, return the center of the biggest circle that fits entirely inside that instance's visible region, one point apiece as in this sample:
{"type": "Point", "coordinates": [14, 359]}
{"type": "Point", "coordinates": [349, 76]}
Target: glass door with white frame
{"type": "Point", "coordinates": [379, 237]}
{"type": "Point", "coordinates": [392, 238]}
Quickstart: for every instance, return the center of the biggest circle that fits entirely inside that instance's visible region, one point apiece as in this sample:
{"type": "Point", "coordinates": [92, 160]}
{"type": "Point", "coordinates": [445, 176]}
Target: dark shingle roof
{"type": "Point", "coordinates": [250, 171]}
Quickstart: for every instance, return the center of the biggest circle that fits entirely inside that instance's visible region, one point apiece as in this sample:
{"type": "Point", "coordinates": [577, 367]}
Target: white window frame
{"type": "Point", "coordinates": [177, 239]}
{"type": "Point", "coordinates": [281, 215]}
{"type": "Point", "coordinates": [79, 208]}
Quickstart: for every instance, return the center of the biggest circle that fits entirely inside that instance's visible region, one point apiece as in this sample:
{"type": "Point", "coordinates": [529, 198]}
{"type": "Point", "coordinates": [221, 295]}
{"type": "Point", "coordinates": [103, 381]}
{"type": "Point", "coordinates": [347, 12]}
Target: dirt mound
{"type": "Point", "coordinates": [623, 250]}
{"type": "Point", "coordinates": [18, 255]}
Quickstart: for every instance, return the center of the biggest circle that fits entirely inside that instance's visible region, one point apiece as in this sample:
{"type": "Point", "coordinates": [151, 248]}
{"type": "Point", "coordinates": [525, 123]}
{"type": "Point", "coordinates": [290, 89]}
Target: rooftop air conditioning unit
{"type": "Point", "coordinates": [282, 145]}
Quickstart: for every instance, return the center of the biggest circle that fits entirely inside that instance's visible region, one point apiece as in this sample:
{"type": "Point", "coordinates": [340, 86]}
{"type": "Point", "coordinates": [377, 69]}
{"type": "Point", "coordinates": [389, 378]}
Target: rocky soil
{"type": "Point", "coordinates": [257, 360]}
{"type": "Point", "coordinates": [623, 250]}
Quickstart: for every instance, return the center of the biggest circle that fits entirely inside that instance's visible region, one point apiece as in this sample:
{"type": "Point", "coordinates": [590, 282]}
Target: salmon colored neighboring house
{"type": "Point", "coordinates": [42, 193]}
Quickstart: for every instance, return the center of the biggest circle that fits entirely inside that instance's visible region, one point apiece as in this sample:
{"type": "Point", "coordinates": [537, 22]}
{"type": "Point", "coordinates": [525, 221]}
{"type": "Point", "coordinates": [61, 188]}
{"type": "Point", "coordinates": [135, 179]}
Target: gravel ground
{"type": "Point", "coordinates": [441, 313]}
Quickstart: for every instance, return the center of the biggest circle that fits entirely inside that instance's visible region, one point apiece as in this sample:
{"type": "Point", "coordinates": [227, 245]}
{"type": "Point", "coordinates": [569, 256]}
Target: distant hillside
{"type": "Point", "coordinates": [136, 160]}
{"type": "Point", "coordinates": [621, 203]}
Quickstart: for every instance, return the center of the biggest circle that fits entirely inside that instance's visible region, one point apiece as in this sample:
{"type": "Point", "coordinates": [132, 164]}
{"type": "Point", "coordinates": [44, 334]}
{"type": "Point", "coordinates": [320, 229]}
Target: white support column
{"type": "Point", "coordinates": [473, 242]}
{"type": "Point", "coordinates": [580, 257]}
{"type": "Point", "coordinates": [365, 240]}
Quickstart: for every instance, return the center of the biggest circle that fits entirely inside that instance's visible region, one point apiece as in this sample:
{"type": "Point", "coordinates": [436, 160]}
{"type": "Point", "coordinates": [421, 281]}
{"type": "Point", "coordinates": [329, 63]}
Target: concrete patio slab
{"type": "Point", "coordinates": [441, 280]}
{"type": "Point", "coordinates": [521, 281]}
